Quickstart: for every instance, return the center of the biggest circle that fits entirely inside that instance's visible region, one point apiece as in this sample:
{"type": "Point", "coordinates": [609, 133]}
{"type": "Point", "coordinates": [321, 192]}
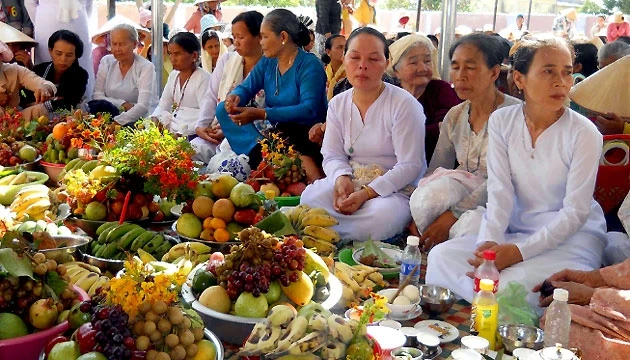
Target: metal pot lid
{"type": "Point", "coordinates": [557, 353]}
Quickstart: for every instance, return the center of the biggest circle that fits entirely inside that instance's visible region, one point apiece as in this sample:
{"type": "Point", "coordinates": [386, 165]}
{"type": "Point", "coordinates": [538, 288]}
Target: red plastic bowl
{"type": "Point", "coordinates": [30, 346]}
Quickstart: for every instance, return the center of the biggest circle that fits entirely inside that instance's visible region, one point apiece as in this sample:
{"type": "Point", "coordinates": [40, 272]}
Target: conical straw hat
{"type": "Point", "coordinates": [9, 34]}
{"type": "Point", "coordinates": [111, 24]}
{"type": "Point", "coordinates": [606, 90]}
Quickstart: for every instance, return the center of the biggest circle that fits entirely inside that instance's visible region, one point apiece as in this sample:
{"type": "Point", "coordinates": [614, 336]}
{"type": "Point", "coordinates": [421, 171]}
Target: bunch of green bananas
{"type": "Point", "coordinates": [115, 240]}
{"type": "Point", "coordinates": [76, 164]}
{"type": "Point", "coordinates": [314, 226]}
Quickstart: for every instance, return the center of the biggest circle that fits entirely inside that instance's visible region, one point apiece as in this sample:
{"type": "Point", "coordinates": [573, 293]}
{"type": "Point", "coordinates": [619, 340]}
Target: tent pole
{"type": "Point", "coordinates": [529, 13]}
{"type": "Point", "coordinates": [111, 9]}
{"type": "Point", "coordinates": [494, 18]}
{"type": "Point", "coordinates": [449, 19]}
{"type": "Point", "coordinates": [418, 15]}
{"type": "Point", "coordinates": [156, 41]}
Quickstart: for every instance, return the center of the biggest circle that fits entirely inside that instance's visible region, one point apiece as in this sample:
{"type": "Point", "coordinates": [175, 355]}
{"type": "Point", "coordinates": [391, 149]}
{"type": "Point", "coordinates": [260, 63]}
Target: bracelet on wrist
{"type": "Point", "coordinates": [371, 193]}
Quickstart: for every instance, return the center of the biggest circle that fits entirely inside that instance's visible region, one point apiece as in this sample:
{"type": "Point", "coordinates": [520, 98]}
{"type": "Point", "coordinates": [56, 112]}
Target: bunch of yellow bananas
{"type": "Point", "coordinates": [314, 226]}
{"type": "Point", "coordinates": [86, 276]}
{"type": "Point", "coordinates": [32, 201]}
{"type": "Point", "coordinates": [358, 281]}
{"type": "Point", "coordinates": [195, 252]}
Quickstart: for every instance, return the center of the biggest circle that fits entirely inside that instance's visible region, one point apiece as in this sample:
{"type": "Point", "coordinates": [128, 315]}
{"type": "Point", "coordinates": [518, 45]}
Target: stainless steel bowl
{"type": "Point", "coordinates": [66, 246]}
{"type": "Point", "coordinates": [521, 336]}
{"type": "Point", "coordinates": [113, 266]}
{"type": "Point", "coordinates": [436, 299]}
{"type": "Point", "coordinates": [236, 329]}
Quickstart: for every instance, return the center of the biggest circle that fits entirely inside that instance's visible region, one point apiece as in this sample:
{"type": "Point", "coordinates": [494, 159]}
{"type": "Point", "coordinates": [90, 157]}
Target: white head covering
{"type": "Point", "coordinates": [9, 34]}
{"type": "Point", "coordinates": [111, 24]}
{"type": "Point", "coordinates": [398, 48]}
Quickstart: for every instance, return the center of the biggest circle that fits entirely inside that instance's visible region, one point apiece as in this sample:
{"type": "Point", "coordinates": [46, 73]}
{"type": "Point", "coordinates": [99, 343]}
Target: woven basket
{"type": "Point", "coordinates": [613, 181]}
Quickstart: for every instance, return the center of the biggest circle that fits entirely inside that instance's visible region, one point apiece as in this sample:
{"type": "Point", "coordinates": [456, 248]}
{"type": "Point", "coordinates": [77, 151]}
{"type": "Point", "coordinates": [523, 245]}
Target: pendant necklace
{"type": "Point", "coordinates": [351, 148]}
{"type": "Point", "coordinates": [526, 129]}
{"type": "Point", "coordinates": [278, 72]}
{"type": "Point", "coordinates": [176, 105]}
{"type": "Point", "coordinates": [484, 138]}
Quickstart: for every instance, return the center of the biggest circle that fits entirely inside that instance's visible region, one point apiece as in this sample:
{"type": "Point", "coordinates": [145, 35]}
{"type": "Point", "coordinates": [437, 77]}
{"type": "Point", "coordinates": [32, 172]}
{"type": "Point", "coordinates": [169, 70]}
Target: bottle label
{"type": "Point", "coordinates": [407, 267]}
{"type": "Point", "coordinates": [476, 287]}
{"type": "Point", "coordinates": [486, 322]}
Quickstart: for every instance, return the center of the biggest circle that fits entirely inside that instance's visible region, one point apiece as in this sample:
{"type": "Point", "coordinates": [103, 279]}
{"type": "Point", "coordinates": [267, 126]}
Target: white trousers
{"type": "Point", "coordinates": [447, 263]}
{"type": "Point", "coordinates": [378, 219]}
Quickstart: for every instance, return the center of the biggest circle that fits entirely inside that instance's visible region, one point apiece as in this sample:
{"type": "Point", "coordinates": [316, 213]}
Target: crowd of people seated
{"type": "Point", "coordinates": [378, 131]}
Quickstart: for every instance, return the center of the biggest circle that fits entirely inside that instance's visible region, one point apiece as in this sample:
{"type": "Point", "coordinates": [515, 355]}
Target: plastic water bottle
{"type": "Point", "coordinates": [486, 312]}
{"type": "Point", "coordinates": [558, 320]}
{"type": "Point", "coordinates": [487, 270]}
{"type": "Point", "coordinates": [410, 259]}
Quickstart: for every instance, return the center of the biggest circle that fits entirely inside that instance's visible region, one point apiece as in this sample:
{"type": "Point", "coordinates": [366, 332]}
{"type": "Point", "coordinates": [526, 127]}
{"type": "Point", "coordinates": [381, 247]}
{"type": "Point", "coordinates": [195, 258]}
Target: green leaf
{"type": "Point", "coordinates": [55, 282]}
{"type": "Point", "coordinates": [194, 317]}
{"type": "Point", "coordinates": [12, 265]}
{"type": "Point", "coordinates": [499, 355]}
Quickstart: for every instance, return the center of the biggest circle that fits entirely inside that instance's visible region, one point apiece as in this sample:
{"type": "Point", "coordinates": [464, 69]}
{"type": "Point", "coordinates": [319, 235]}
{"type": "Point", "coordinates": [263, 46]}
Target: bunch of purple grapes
{"type": "Point", "coordinates": [113, 336]}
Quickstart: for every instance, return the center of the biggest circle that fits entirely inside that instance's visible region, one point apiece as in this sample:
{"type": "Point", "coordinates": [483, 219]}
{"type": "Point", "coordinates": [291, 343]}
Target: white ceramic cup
{"type": "Point", "coordinates": [475, 343]}
{"type": "Point", "coordinates": [465, 354]}
{"type": "Point", "coordinates": [523, 353]}
{"type": "Point", "coordinates": [390, 324]}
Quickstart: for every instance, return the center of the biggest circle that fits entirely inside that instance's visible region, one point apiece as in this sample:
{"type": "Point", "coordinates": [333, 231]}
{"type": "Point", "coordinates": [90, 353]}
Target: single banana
{"type": "Point", "coordinates": [200, 248]}
{"type": "Point", "coordinates": [346, 278]}
{"type": "Point", "coordinates": [77, 275]}
{"type": "Point", "coordinates": [102, 280]}
{"type": "Point", "coordinates": [323, 220]}
{"type": "Point", "coordinates": [322, 247]}
{"type": "Point", "coordinates": [7, 179]}
{"type": "Point", "coordinates": [322, 233]}
{"type": "Point", "coordinates": [21, 178]}
{"type": "Point", "coordinates": [340, 329]}
{"type": "Point", "coordinates": [87, 281]}
{"type": "Point", "coordinates": [295, 331]}
{"type": "Point", "coordinates": [177, 251]}
{"type": "Point", "coordinates": [89, 267]}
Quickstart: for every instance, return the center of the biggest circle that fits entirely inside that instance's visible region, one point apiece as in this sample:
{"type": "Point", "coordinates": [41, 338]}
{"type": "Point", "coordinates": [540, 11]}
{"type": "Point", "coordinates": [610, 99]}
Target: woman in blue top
{"type": "Point", "coordinates": [294, 83]}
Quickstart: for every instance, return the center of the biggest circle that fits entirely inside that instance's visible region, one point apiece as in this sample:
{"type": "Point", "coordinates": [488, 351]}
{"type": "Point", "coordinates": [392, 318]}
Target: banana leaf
{"type": "Point", "coordinates": [382, 260]}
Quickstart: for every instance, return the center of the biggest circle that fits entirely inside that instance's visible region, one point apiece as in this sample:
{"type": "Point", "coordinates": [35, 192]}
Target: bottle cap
{"type": "Point", "coordinates": [413, 240]}
{"type": "Point", "coordinates": [270, 194]}
{"type": "Point", "coordinates": [560, 295]}
{"type": "Point", "coordinates": [489, 255]}
{"type": "Point", "coordinates": [486, 284]}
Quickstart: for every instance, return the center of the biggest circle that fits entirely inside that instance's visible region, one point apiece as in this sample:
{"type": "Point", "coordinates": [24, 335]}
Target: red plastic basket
{"type": "Point", "coordinates": [613, 181]}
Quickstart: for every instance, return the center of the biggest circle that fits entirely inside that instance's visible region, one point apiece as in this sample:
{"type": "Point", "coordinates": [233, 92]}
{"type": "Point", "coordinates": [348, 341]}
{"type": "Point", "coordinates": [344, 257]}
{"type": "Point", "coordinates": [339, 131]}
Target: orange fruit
{"type": "Point", "coordinates": [221, 235]}
{"type": "Point", "coordinates": [60, 130]}
{"type": "Point", "coordinates": [207, 222]}
{"type": "Point", "coordinates": [217, 223]}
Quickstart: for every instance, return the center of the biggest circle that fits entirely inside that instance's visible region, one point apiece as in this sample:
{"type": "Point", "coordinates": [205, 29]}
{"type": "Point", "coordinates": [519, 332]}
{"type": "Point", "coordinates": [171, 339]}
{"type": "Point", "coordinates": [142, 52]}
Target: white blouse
{"type": "Point", "coordinates": [136, 87]}
{"type": "Point", "coordinates": [180, 105]}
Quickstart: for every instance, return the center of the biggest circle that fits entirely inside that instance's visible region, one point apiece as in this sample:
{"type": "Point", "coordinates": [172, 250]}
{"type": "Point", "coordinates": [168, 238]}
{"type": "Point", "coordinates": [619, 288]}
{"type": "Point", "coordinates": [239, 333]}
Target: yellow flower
{"type": "Point", "coordinates": [280, 145]}
{"type": "Point", "coordinates": [264, 147]}
{"type": "Point", "coordinates": [275, 136]}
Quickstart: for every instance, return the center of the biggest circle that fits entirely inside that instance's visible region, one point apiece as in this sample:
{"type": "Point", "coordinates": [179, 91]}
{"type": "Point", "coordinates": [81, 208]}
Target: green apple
{"type": "Point", "coordinates": [248, 305]}
{"type": "Point", "coordinates": [67, 350]}
{"type": "Point", "coordinates": [204, 188]}
{"type": "Point", "coordinates": [12, 326]}
{"type": "Point", "coordinates": [27, 153]}
{"type": "Point", "coordinates": [166, 206]}
{"type": "Point", "coordinates": [95, 211]}
{"type": "Point", "coordinates": [92, 356]}
{"type": "Point", "coordinates": [274, 292]}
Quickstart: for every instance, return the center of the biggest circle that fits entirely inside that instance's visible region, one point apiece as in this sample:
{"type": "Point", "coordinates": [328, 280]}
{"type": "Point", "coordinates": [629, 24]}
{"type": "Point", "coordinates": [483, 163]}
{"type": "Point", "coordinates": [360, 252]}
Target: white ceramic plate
{"type": "Point", "coordinates": [425, 326]}
{"type": "Point", "coordinates": [177, 210]}
{"type": "Point", "coordinates": [393, 253]}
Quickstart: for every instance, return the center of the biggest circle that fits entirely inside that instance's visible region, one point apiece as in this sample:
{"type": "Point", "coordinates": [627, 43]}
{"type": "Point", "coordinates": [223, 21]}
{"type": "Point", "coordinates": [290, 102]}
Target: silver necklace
{"type": "Point", "coordinates": [351, 148]}
{"type": "Point", "coordinates": [533, 149]}
{"type": "Point", "coordinates": [278, 72]}
{"type": "Point", "coordinates": [483, 139]}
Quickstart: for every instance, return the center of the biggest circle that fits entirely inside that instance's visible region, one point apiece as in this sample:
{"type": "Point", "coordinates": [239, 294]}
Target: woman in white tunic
{"type": "Point", "coordinates": [49, 16]}
{"type": "Point", "coordinates": [376, 130]}
{"type": "Point", "coordinates": [542, 164]}
{"type": "Point", "coordinates": [125, 80]}
{"type": "Point", "coordinates": [230, 71]}
{"type": "Point", "coordinates": [182, 97]}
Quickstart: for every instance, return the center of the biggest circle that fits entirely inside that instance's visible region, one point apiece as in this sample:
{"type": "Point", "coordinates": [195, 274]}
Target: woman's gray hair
{"type": "Point", "coordinates": [130, 29]}
{"type": "Point", "coordinates": [615, 49]}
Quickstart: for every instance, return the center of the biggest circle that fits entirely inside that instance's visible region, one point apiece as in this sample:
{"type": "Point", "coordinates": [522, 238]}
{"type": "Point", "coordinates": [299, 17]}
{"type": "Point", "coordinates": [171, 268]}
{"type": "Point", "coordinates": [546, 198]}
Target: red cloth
{"type": "Point", "coordinates": [616, 30]}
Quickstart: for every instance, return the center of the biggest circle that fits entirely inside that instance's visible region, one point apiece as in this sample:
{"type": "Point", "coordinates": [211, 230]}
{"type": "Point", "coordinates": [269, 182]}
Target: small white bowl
{"type": "Point", "coordinates": [522, 353]}
{"type": "Point", "coordinates": [465, 354]}
{"type": "Point", "coordinates": [475, 343]}
{"type": "Point", "coordinates": [398, 311]}
{"type": "Point", "coordinates": [390, 324]}
{"type": "Point", "coordinates": [387, 338]}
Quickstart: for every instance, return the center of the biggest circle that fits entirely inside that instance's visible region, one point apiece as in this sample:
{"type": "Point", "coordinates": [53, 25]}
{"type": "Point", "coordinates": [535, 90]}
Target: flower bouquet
{"type": "Point", "coordinates": [280, 169]}
{"type": "Point", "coordinates": [138, 316]}
{"type": "Point", "coordinates": [143, 163]}
{"type": "Point", "coordinates": [78, 135]}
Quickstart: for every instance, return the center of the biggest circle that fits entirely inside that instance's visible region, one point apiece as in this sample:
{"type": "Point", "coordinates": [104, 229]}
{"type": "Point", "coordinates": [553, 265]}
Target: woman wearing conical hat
{"type": "Point", "coordinates": [618, 27]}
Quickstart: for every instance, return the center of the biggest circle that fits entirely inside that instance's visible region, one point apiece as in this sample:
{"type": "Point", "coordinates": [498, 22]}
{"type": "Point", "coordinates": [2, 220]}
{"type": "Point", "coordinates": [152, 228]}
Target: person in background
{"type": "Point", "coordinates": [599, 306]}
{"type": "Point", "coordinates": [183, 95]}
{"type": "Point", "coordinates": [14, 78]}
{"type": "Point", "coordinates": [374, 129]}
{"type": "Point", "coordinates": [230, 71]}
{"type": "Point", "coordinates": [347, 9]}
{"type": "Point", "coordinates": [599, 27]}
{"type": "Point", "coordinates": [211, 45]}
{"type": "Point", "coordinates": [585, 63]}
{"type": "Point", "coordinates": [365, 13]}
{"type": "Point", "coordinates": [294, 82]}
{"type": "Point", "coordinates": [125, 82]}
{"type": "Point", "coordinates": [17, 16]}
{"type": "Point", "coordinates": [333, 59]}
{"type": "Point", "coordinates": [64, 71]}
{"type": "Point", "coordinates": [328, 23]}
{"type": "Point", "coordinates": [564, 24]}
{"type": "Point", "coordinates": [463, 137]}
{"type": "Point", "coordinates": [542, 163]}
{"type": "Point", "coordinates": [414, 64]}
{"type": "Point", "coordinates": [520, 23]}
{"type": "Point", "coordinates": [204, 7]}
{"type": "Point", "coordinates": [52, 15]}
{"type": "Point", "coordinates": [434, 40]}
{"type": "Point", "coordinates": [611, 52]}
{"type": "Point", "coordinates": [146, 17]}
{"type": "Point", "coordinates": [617, 27]}
{"type": "Point", "coordinates": [19, 44]}
{"type": "Point", "coordinates": [228, 41]}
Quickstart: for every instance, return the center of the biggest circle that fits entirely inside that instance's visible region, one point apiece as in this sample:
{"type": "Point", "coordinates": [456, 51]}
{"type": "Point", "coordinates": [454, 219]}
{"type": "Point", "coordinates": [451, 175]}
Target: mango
{"type": "Point", "coordinates": [301, 291]}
